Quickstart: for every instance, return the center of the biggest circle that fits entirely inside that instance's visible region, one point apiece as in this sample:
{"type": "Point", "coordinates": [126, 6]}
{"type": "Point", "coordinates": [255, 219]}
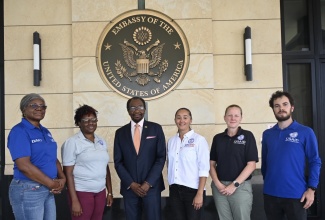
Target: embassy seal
{"type": "Point", "coordinates": [142, 53]}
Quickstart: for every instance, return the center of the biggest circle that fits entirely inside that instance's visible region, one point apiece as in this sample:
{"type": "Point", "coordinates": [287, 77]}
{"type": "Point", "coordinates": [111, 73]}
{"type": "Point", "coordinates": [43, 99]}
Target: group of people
{"type": "Point", "coordinates": [140, 153]}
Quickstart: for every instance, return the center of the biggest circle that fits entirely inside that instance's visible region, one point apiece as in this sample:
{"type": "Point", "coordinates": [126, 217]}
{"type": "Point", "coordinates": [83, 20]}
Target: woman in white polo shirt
{"type": "Point", "coordinates": [188, 169]}
{"type": "Point", "coordinates": [85, 163]}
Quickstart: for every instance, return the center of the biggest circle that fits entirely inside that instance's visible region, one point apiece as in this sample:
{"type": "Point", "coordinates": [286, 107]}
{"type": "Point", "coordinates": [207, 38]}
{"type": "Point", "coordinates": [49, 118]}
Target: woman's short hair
{"type": "Point", "coordinates": [234, 106]}
{"type": "Point", "coordinates": [27, 99]}
{"type": "Point", "coordinates": [82, 111]}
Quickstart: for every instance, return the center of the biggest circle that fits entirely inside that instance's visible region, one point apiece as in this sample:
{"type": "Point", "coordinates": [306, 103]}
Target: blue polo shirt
{"type": "Point", "coordinates": [26, 140]}
{"type": "Point", "coordinates": [285, 154]}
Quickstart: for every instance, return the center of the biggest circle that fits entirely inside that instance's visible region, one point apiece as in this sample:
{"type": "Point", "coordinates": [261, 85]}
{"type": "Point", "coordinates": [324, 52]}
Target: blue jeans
{"type": "Point", "coordinates": [31, 201]}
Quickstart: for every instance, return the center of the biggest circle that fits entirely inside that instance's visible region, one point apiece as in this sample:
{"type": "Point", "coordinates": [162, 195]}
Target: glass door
{"type": "Point", "coordinates": [299, 80]}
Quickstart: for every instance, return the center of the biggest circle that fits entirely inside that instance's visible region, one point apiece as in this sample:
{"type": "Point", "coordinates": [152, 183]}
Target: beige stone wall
{"type": "Point", "coordinates": [214, 28]}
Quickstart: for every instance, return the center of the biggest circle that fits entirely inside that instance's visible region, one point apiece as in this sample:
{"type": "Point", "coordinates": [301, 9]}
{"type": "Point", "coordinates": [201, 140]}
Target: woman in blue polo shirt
{"type": "Point", "coordinates": [233, 158]}
{"type": "Point", "coordinates": [37, 172]}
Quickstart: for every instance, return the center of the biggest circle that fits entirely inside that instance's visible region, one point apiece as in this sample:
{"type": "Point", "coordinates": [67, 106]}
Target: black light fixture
{"type": "Point", "coordinates": [248, 54]}
{"type": "Point", "coordinates": [37, 59]}
{"type": "Point", "coordinates": [141, 4]}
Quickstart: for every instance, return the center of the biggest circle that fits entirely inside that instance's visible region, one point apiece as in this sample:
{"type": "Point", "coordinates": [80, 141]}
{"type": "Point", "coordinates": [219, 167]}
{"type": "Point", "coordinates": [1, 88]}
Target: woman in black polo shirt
{"type": "Point", "coordinates": [233, 158]}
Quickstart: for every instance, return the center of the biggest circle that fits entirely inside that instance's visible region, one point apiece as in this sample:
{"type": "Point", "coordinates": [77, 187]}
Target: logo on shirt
{"type": "Point", "coordinates": [293, 137]}
{"type": "Point", "coordinates": [240, 140]}
{"type": "Point", "coordinates": [241, 137]}
{"type": "Point", "coordinates": [49, 134]}
{"type": "Point", "coordinates": [36, 140]}
{"type": "Point", "coordinates": [190, 143]}
{"type": "Point", "coordinates": [294, 134]}
{"type": "Point", "coordinates": [101, 142]}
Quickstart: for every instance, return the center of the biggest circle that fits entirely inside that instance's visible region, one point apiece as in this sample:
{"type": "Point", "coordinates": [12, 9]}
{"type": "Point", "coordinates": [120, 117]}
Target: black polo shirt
{"type": "Point", "coordinates": [232, 153]}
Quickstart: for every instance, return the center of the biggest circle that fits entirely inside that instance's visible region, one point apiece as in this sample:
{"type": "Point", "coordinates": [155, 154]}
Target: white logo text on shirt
{"type": "Point", "coordinates": [36, 140]}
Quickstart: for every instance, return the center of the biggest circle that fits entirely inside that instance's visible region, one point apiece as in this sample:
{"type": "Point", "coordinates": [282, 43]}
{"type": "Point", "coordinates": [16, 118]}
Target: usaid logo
{"type": "Point", "coordinates": [191, 141]}
{"type": "Point", "coordinates": [36, 140]}
{"type": "Point", "coordinates": [240, 140]}
{"type": "Point", "coordinates": [51, 138]}
{"type": "Point", "coordinates": [241, 137]}
{"type": "Point", "coordinates": [293, 138]}
{"type": "Point", "coordinates": [294, 134]}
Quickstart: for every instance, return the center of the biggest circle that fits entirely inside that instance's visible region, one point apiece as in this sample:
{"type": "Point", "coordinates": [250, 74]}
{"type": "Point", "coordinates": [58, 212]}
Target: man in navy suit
{"type": "Point", "coordinates": [140, 170]}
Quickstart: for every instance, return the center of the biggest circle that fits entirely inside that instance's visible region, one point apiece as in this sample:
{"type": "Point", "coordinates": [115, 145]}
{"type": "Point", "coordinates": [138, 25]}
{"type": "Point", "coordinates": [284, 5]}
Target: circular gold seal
{"type": "Point", "coordinates": [142, 53]}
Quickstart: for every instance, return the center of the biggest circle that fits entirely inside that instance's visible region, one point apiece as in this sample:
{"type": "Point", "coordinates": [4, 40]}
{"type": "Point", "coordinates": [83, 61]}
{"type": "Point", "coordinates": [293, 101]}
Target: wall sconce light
{"type": "Point", "coordinates": [37, 59]}
{"type": "Point", "coordinates": [141, 4]}
{"type": "Point", "coordinates": [248, 54]}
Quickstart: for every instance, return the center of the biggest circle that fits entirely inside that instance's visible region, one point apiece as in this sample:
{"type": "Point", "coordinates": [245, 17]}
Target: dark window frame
{"type": "Point", "coordinates": [311, 62]}
{"type": "Point", "coordinates": [311, 30]}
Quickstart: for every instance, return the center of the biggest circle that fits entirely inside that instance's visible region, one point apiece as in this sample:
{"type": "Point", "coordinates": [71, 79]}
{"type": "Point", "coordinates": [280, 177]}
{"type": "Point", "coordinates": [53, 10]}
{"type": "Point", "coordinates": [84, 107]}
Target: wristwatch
{"type": "Point", "coordinates": [312, 188]}
{"type": "Point", "coordinates": [236, 184]}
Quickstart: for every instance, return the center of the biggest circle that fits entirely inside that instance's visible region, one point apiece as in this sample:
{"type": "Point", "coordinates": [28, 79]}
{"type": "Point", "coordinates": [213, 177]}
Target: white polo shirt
{"type": "Point", "coordinates": [89, 160]}
{"type": "Point", "coordinates": [188, 160]}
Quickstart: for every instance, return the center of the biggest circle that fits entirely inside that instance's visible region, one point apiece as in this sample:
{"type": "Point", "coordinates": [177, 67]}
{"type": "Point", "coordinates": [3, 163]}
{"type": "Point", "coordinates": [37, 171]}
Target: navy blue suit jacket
{"type": "Point", "coordinates": [145, 166]}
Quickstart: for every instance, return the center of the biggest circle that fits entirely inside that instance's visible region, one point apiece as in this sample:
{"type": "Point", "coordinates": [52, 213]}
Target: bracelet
{"type": "Point", "coordinates": [110, 194]}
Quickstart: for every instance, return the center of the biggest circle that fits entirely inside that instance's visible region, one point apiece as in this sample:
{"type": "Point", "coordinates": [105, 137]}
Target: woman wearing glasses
{"type": "Point", "coordinates": [37, 172]}
{"type": "Point", "coordinates": [85, 163]}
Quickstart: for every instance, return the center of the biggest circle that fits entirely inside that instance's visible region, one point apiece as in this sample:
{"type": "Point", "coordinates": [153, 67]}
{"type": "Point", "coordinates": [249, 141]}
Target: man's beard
{"type": "Point", "coordinates": [280, 119]}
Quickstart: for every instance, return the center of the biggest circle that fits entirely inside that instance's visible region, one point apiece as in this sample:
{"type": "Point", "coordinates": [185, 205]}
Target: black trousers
{"type": "Point", "coordinates": [181, 199]}
{"type": "Point", "coordinates": [276, 208]}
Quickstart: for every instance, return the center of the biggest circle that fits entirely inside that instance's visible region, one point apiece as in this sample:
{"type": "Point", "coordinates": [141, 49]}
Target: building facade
{"type": "Point", "coordinates": [70, 30]}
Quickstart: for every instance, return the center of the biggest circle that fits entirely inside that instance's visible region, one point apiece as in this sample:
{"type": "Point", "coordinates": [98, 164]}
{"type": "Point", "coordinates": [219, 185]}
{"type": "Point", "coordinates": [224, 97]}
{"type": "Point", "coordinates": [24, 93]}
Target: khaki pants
{"type": "Point", "coordinates": [238, 206]}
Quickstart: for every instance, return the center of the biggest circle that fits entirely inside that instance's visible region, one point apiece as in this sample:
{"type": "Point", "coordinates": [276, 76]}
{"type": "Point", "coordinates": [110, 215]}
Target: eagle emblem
{"type": "Point", "coordinates": [142, 61]}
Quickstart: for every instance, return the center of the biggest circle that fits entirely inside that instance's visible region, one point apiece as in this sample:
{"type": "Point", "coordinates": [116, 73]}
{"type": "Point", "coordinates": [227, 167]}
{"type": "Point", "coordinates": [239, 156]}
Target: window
{"type": "Point", "coordinates": [296, 28]}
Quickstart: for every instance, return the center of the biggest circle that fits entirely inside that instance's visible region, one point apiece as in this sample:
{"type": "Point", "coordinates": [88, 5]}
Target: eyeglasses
{"type": "Point", "coordinates": [88, 120]}
{"type": "Point", "coordinates": [35, 106]}
{"type": "Point", "coordinates": [132, 108]}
